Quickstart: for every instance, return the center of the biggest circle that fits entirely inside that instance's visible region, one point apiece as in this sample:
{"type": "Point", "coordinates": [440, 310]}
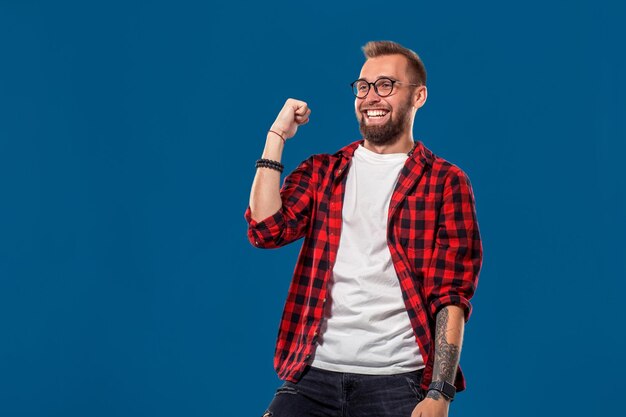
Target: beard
{"type": "Point", "coordinates": [391, 131]}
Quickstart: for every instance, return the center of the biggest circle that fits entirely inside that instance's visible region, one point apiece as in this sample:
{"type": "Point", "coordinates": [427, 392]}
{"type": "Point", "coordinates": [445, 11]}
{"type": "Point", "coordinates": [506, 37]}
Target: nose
{"type": "Point", "coordinates": [372, 92]}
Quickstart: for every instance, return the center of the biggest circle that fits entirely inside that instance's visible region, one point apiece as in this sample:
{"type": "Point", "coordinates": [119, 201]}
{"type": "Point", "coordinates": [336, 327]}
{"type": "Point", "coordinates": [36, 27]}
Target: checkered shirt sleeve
{"type": "Point", "coordinates": [452, 274]}
{"type": "Point", "coordinates": [291, 221]}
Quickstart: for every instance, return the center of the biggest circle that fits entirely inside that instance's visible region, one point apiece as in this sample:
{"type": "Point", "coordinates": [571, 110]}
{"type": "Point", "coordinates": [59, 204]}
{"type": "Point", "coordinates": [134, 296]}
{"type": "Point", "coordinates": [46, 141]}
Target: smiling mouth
{"type": "Point", "coordinates": [376, 114]}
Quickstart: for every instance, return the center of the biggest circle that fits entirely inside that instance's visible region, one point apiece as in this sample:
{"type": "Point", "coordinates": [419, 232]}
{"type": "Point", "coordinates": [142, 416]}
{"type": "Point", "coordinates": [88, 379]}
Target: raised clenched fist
{"type": "Point", "coordinates": [293, 114]}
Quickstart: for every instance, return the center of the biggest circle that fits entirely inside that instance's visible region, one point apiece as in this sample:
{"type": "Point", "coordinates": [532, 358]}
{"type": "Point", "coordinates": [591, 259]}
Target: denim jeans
{"type": "Point", "coordinates": [321, 393]}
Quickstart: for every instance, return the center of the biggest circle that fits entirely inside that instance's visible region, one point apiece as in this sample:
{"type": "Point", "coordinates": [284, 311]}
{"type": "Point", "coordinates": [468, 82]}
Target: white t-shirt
{"type": "Point", "coordinates": [366, 327]}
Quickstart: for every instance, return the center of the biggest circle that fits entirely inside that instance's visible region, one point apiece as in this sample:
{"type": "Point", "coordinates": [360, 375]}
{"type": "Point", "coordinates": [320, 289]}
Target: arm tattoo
{"type": "Point", "coordinates": [446, 354]}
{"type": "Point", "coordinates": [435, 395]}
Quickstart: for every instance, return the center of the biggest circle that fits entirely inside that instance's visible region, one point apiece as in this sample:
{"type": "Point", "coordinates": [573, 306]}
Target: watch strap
{"type": "Point", "coordinates": [446, 389]}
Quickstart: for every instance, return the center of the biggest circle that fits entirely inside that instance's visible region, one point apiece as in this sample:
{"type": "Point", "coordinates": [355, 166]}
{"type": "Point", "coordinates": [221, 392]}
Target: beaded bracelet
{"type": "Point", "coordinates": [268, 163]}
{"type": "Point", "coordinates": [271, 162]}
{"type": "Point", "coordinates": [265, 165]}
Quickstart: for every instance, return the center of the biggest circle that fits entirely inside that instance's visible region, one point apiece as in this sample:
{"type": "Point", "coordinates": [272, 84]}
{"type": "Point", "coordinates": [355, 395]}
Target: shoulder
{"type": "Point", "coordinates": [325, 161]}
{"type": "Point", "coordinates": [443, 169]}
{"type": "Point", "coordinates": [445, 173]}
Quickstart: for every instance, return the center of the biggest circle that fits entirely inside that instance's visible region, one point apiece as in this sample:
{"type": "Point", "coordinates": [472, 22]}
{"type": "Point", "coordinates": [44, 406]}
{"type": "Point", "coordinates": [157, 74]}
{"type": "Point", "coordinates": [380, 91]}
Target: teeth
{"type": "Point", "coordinates": [376, 113]}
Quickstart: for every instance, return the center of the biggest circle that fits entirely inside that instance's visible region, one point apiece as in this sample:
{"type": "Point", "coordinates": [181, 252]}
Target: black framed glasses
{"type": "Point", "coordinates": [382, 86]}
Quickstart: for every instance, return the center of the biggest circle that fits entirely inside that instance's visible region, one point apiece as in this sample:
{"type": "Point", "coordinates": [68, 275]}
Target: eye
{"type": "Point", "coordinates": [385, 84]}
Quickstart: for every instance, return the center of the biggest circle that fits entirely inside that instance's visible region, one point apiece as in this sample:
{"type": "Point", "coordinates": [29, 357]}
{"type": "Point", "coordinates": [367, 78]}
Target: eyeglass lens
{"type": "Point", "coordinates": [382, 86]}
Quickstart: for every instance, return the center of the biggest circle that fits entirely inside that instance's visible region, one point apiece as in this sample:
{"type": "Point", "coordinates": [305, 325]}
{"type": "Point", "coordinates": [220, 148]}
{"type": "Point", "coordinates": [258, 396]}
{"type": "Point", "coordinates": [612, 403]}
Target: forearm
{"type": "Point", "coordinates": [450, 324]}
{"type": "Point", "coordinates": [265, 194]}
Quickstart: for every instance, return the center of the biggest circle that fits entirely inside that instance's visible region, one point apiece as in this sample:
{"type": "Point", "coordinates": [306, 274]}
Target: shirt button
{"type": "Point", "coordinates": [256, 243]}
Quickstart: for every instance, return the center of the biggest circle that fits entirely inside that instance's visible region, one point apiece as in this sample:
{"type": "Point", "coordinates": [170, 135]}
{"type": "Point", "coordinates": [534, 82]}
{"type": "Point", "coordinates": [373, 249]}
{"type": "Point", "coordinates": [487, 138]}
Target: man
{"type": "Point", "coordinates": [374, 320]}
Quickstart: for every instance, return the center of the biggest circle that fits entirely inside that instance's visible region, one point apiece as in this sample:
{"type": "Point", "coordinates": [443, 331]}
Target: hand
{"type": "Point", "coordinates": [429, 407]}
{"type": "Point", "coordinates": [293, 114]}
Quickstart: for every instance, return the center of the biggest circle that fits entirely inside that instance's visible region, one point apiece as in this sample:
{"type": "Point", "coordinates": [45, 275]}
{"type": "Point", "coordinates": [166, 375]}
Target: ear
{"type": "Point", "coordinates": [419, 96]}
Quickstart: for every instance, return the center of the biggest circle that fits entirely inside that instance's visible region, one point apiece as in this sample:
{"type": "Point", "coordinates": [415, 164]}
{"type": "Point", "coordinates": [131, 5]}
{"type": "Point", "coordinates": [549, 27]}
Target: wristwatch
{"type": "Point", "coordinates": [446, 389]}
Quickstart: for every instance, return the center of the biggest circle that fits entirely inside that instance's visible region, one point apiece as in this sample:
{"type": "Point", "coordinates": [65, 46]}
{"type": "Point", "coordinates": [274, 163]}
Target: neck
{"type": "Point", "coordinates": [403, 145]}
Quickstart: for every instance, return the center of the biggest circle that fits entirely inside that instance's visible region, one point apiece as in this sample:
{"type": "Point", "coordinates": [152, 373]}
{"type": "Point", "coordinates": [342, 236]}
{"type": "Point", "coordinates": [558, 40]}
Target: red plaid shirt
{"type": "Point", "coordinates": [432, 234]}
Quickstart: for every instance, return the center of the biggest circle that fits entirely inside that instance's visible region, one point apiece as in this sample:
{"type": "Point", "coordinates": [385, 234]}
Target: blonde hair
{"type": "Point", "coordinates": [374, 49]}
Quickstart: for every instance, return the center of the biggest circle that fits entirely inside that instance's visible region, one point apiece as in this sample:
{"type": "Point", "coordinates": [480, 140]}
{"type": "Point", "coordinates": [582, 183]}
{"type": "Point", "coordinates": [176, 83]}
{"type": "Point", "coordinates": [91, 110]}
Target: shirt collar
{"type": "Point", "coordinates": [420, 152]}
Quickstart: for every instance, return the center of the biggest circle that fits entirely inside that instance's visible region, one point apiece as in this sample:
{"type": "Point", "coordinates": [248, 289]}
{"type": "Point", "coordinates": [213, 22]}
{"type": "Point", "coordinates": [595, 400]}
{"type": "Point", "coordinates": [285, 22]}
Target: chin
{"type": "Point", "coordinates": [381, 140]}
{"type": "Point", "coordinates": [386, 134]}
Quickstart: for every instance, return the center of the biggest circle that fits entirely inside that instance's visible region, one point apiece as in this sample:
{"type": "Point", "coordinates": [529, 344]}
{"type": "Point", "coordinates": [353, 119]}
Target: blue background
{"type": "Point", "coordinates": [128, 135]}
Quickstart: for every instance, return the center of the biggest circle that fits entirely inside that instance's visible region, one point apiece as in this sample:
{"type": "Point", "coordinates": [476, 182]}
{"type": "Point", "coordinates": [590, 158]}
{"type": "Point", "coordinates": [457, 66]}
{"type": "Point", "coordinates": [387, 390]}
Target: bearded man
{"type": "Point", "coordinates": [374, 319]}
